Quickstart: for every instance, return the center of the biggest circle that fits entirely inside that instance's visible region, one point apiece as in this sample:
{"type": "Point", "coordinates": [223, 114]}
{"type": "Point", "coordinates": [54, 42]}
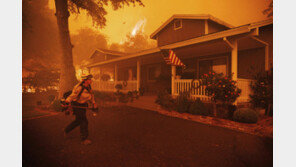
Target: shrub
{"type": "Point", "coordinates": [183, 103]}
{"type": "Point", "coordinates": [56, 105]}
{"type": "Point", "coordinates": [51, 98]}
{"type": "Point", "coordinates": [118, 87]}
{"type": "Point", "coordinates": [262, 89]}
{"type": "Point", "coordinates": [105, 77]}
{"type": "Point", "coordinates": [198, 108]}
{"type": "Point", "coordinates": [221, 89]}
{"type": "Point", "coordinates": [165, 100]}
{"type": "Point", "coordinates": [245, 115]}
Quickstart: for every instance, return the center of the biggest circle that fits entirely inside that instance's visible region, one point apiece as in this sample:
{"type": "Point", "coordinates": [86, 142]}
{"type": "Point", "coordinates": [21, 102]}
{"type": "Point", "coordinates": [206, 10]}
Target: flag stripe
{"type": "Point", "coordinates": [173, 59]}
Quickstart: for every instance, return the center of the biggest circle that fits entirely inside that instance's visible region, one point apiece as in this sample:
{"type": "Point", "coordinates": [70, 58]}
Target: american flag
{"type": "Point", "coordinates": [171, 58]}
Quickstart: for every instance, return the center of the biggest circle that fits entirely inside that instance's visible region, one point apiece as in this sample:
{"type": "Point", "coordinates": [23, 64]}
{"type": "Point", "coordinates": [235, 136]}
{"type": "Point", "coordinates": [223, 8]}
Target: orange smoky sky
{"type": "Point", "coordinates": [123, 21]}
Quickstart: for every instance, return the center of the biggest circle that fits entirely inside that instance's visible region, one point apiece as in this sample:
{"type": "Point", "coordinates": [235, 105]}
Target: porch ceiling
{"type": "Point", "coordinates": [202, 49]}
{"type": "Point", "coordinates": [215, 47]}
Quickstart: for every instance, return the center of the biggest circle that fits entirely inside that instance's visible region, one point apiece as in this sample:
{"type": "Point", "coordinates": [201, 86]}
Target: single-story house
{"type": "Point", "coordinates": [203, 43]}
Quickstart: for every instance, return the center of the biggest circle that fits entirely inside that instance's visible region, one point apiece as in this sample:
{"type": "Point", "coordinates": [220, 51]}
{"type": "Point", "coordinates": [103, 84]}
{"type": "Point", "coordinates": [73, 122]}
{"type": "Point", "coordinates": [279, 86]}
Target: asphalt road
{"type": "Point", "coordinates": [128, 137]}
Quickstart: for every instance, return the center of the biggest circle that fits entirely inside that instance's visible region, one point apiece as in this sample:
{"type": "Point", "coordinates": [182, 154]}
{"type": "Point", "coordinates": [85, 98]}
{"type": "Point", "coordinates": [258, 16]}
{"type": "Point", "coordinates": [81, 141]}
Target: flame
{"type": "Point", "coordinates": [139, 27]}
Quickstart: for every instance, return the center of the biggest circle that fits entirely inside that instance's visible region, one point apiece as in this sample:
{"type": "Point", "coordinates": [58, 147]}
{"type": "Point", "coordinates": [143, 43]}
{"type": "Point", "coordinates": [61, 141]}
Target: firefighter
{"type": "Point", "coordinates": [79, 98]}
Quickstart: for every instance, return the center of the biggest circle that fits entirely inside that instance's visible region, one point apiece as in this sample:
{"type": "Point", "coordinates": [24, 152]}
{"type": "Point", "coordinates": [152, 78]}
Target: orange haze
{"type": "Point", "coordinates": [122, 22]}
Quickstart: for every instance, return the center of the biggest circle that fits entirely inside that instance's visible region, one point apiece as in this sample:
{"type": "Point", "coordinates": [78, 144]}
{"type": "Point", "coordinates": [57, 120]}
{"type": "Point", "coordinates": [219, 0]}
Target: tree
{"type": "Point", "coordinates": [269, 10]}
{"type": "Point", "coordinates": [42, 79]}
{"type": "Point", "coordinates": [86, 41]}
{"type": "Point", "coordinates": [39, 33]}
{"type": "Point", "coordinates": [95, 9]}
{"type": "Point", "coordinates": [137, 42]}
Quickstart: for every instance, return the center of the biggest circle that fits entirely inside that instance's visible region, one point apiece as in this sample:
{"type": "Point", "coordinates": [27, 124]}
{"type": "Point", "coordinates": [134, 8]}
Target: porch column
{"type": "Point", "coordinates": [266, 58]}
{"type": "Point", "coordinates": [138, 74]}
{"type": "Point", "coordinates": [173, 79]}
{"type": "Point", "coordinates": [234, 61]}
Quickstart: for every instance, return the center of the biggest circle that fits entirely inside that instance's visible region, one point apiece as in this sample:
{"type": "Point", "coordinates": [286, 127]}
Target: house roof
{"type": "Point", "coordinates": [208, 37]}
{"type": "Point", "coordinates": [106, 51]}
{"type": "Point", "coordinates": [190, 16]}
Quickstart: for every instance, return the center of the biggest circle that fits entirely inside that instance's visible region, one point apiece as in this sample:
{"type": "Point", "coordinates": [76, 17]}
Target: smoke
{"type": "Point", "coordinates": [85, 42]}
{"type": "Point", "coordinates": [41, 48]}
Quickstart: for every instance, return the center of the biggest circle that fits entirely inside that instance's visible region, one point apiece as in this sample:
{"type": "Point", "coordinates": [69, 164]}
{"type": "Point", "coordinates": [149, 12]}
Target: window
{"type": "Point", "coordinates": [216, 65]}
{"type": "Point", "coordinates": [153, 72]}
{"type": "Point", "coordinates": [177, 24]}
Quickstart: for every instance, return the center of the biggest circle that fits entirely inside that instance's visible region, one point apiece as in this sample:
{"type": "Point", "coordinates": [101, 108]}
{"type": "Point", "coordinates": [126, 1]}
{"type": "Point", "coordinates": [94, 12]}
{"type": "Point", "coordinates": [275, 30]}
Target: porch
{"type": "Point", "coordinates": [226, 54]}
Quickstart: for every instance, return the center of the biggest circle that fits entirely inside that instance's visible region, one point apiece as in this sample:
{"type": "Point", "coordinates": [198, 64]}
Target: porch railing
{"type": "Point", "coordinates": [244, 85]}
{"type": "Point", "coordinates": [185, 85]}
{"type": "Point", "coordinates": [109, 86]}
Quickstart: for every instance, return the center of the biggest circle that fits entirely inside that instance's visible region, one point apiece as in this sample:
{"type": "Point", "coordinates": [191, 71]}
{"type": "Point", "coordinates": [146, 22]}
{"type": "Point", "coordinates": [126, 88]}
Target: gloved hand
{"type": "Point", "coordinates": [65, 105]}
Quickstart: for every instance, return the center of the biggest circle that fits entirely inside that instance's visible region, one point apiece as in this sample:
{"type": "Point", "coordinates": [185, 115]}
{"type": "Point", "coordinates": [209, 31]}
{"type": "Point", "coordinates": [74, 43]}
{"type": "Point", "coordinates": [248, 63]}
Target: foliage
{"type": "Point", "coordinates": [105, 77]}
{"type": "Point", "coordinates": [51, 98]}
{"type": "Point", "coordinates": [85, 42]}
{"type": "Point", "coordinates": [183, 102]}
{"type": "Point", "coordinates": [165, 100]}
{"type": "Point", "coordinates": [96, 9]}
{"type": "Point", "coordinates": [123, 98]}
{"type": "Point", "coordinates": [141, 91]}
{"type": "Point", "coordinates": [262, 89]}
{"type": "Point", "coordinates": [137, 42]}
{"type": "Point", "coordinates": [56, 105]}
{"type": "Point", "coordinates": [269, 10]}
{"type": "Point", "coordinates": [118, 87]}
{"type": "Point", "coordinates": [40, 48]}
{"type": "Point", "coordinates": [221, 89]}
{"type": "Point", "coordinates": [199, 108]}
{"type": "Point", "coordinates": [131, 95]}
{"type": "Point", "coordinates": [42, 79]}
{"type": "Point", "coordinates": [245, 115]}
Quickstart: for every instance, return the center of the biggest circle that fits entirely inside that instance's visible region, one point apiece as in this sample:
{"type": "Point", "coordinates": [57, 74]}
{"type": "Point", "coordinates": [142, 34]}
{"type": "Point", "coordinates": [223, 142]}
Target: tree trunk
{"type": "Point", "coordinates": [67, 77]}
{"type": "Point", "coordinates": [215, 109]}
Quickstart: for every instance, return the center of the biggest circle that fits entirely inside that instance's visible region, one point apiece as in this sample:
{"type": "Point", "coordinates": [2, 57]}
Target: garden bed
{"type": "Point", "coordinates": [264, 126]}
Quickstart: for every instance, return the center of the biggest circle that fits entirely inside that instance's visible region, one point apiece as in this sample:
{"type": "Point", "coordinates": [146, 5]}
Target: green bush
{"type": "Point", "coordinates": [199, 108]}
{"type": "Point", "coordinates": [56, 105]}
{"type": "Point", "coordinates": [183, 103]}
{"type": "Point", "coordinates": [245, 115]}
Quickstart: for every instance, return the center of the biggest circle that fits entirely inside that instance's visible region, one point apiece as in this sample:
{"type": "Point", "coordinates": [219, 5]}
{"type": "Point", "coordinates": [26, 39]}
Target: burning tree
{"type": "Point", "coordinates": [95, 9]}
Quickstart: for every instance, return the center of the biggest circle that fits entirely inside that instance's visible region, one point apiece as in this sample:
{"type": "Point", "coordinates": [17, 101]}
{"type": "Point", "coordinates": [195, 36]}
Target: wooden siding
{"type": "Point", "coordinates": [190, 29]}
{"type": "Point", "coordinates": [250, 62]}
{"type": "Point", "coordinates": [215, 27]}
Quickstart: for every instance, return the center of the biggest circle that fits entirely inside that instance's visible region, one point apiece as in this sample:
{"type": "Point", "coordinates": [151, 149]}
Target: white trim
{"type": "Point", "coordinates": [190, 16]}
{"type": "Point", "coordinates": [206, 27]}
{"type": "Point", "coordinates": [180, 24]}
{"type": "Point", "coordinates": [228, 42]}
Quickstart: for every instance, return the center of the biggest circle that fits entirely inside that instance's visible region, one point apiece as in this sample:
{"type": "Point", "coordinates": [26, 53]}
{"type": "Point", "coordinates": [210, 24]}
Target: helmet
{"type": "Point", "coordinates": [86, 76]}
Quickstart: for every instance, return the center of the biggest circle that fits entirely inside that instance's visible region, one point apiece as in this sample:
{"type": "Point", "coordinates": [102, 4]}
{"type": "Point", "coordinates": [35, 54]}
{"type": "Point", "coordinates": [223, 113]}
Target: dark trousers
{"type": "Point", "coordinates": [80, 120]}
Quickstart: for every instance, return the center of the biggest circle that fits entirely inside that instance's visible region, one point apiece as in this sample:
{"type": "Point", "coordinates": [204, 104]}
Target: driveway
{"type": "Point", "coordinates": [127, 137]}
